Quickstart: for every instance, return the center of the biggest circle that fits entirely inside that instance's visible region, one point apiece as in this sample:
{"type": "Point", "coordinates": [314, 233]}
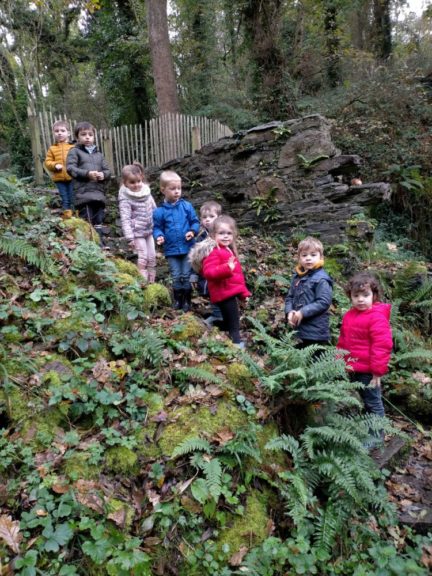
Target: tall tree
{"type": "Point", "coordinates": [162, 61]}
{"type": "Point", "coordinates": [332, 42]}
{"type": "Point", "coordinates": [382, 39]}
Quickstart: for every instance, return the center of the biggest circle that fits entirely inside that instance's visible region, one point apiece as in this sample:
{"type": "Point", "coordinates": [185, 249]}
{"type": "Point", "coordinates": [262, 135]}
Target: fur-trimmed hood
{"type": "Point", "coordinates": [200, 251]}
{"type": "Point", "coordinates": [140, 194]}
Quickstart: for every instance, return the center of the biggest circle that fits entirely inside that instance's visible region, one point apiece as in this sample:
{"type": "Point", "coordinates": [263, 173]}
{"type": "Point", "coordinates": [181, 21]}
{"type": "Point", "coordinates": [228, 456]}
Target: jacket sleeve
{"type": "Point", "coordinates": [290, 298]}
{"type": "Point", "coordinates": [72, 167]}
{"type": "Point", "coordinates": [158, 224]}
{"type": "Point", "coordinates": [153, 203]}
{"type": "Point", "coordinates": [213, 269]}
{"type": "Point", "coordinates": [381, 345]}
{"type": "Point", "coordinates": [50, 160]}
{"type": "Point", "coordinates": [322, 301]}
{"type": "Point", "coordinates": [126, 218]}
{"type": "Point", "coordinates": [193, 222]}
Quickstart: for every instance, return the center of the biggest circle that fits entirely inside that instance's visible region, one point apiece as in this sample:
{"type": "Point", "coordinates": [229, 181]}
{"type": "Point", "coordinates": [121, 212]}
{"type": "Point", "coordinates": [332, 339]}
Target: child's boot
{"type": "Point", "coordinates": [178, 299]}
{"type": "Point", "coordinates": [187, 297]}
{"type": "Point", "coordinates": [151, 275]}
{"type": "Point", "coordinates": [144, 272]}
{"type": "Point", "coordinates": [67, 214]}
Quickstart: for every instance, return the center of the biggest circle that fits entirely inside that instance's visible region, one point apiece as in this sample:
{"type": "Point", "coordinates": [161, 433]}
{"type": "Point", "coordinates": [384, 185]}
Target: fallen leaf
{"type": "Point", "coordinates": [9, 532]}
{"type": "Point", "coordinates": [223, 436]}
{"type": "Point", "coordinates": [237, 558]}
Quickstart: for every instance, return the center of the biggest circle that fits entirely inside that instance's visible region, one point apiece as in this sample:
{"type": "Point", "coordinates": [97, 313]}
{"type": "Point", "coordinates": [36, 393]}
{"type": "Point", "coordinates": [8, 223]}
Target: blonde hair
{"type": "Point", "coordinates": [224, 219]}
{"type": "Point", "coordinates": [134, 169]}
{"type": "Point", "coordinates": [310, 243]}
{"type": "Point", "coordinates": [63, 123]}
{"type": "Point", "coordinates": [166, 176]}
{"type": "Point", "coordinates": [210, 206]}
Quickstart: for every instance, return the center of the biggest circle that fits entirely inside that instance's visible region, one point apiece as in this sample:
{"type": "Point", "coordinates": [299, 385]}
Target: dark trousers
{"type": "Point", "coordinates": [371, 397]}
{"type": "Point", "coordinates": [231, 318]}
{"type": "Point", "coordinates": [94, 213]}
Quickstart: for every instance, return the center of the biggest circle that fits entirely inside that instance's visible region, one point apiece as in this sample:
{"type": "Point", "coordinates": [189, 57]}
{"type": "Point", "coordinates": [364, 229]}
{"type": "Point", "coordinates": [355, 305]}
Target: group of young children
{"type": "Point", "coordinates": [202, 254]}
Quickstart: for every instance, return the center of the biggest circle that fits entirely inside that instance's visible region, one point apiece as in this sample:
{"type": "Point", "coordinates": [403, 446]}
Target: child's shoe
{"type": "Point", "coordinates": [67, 214]}
{"type": "Point", "coordinates": [187, 297]}
{"type": "Point", "coordinates": [178, 299]}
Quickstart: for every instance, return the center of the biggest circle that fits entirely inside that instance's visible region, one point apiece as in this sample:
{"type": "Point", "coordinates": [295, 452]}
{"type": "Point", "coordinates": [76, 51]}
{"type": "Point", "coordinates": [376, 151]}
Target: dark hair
{"type": "Point", "coordinates": [83, 126]}
{"type": "Point", "coordinates": [361, 281]}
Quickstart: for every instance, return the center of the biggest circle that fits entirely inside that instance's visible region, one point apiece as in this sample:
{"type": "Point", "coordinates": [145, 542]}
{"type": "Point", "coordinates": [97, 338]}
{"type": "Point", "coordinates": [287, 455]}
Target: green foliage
{"type": "Point", "coordinates": [309, 163]}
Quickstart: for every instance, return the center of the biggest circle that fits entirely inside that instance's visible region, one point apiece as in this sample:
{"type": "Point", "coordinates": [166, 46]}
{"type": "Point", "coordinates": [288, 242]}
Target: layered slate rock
{"type": "Point", "coordinates": [285, 176]}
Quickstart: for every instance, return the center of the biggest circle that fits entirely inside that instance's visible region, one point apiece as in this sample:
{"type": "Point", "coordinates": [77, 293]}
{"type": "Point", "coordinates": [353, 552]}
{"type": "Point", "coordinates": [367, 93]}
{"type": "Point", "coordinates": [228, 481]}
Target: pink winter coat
{"type": "Point", "coordinates": [223, 283]}
{"type": "Point", "coordinates": [367, 336]}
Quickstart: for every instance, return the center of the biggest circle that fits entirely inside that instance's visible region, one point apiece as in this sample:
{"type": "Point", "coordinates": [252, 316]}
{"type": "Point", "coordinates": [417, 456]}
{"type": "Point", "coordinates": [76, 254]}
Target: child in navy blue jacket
{"type": "Point", "coordinates": [310, 295]}
{"type": "Point", "coordinates": [175, 227]}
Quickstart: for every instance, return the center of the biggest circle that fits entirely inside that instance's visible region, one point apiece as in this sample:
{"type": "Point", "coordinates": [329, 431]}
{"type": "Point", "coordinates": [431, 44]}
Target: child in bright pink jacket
{"type": "Point", "coordinates": [224, 275]}
{"type": "Point", "coordinates": [366, 335]}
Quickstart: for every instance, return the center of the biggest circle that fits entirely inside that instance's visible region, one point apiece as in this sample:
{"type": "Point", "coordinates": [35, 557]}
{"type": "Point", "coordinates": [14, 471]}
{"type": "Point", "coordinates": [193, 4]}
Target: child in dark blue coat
{"type": "Point", "coordinates": [310, 295]}
{"type": "Point", "coordinates": [175, 227]}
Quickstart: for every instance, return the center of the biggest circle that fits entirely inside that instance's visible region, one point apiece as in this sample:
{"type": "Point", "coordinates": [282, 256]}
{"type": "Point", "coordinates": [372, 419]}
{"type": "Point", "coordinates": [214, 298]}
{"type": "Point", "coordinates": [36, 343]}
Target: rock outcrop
{"type": "Point", "coordinates": [285, 176]}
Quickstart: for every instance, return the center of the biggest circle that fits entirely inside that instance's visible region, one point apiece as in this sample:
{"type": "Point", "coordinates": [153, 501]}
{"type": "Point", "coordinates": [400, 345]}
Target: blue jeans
{"type": "Point", "coordinates": [371, 397]}
{"type": "Point", "coordinates": [66, 194]}
{"type": "Point", "coordinates": [180, 270]}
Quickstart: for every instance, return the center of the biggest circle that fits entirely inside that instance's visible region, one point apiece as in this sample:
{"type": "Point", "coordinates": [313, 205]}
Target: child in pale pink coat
{"type": "Point", "coordinates": [367, 336]}
{"type": "Point", "coordinates": [136, 206]}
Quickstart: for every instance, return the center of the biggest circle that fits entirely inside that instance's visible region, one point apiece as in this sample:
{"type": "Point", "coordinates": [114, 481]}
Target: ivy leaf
{"type": "Point", "coordinates": [58, 537]}
{"type": "Point", "coordinates": [199, 490]}
{"type": "Point", "coordinates": [98, 551]}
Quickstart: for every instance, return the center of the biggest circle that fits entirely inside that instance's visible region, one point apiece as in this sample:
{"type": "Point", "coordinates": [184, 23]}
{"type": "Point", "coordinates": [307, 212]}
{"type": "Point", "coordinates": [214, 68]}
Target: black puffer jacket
{"type": "Point", "coordinates": [79, 163]}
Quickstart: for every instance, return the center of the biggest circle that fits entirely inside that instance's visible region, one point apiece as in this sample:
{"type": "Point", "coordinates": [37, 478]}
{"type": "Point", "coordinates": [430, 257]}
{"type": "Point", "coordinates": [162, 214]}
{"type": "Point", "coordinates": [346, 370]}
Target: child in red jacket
{"type": "Point", "coordinates": [367, 336]}
{"type": "Point", "coordinates": [224, 275]}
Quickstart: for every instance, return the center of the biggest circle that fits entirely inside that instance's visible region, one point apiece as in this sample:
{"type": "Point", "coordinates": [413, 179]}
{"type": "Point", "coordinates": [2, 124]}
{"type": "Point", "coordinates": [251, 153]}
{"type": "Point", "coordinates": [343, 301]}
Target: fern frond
{"type": "Point", "coordinates": [321, 437]}
{"type": "Point", "coordinates": [287, 444]}
{"type": "Point", "coordinates": [197, 375]}
{"type": "Point", "coordinates": [327, 526]}
{"type": "Point", "coordinates": [191, 445]}
{"type": "Point", "coordinates": [213, 477]}
{"type": "Point", "coordinates": [13, 246]}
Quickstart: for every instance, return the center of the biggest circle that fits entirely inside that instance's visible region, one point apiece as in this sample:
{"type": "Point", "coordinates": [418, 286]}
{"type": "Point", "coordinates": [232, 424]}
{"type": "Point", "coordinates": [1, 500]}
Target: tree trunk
{"type": "Point", "coordinates": [332, 43]}
{"type": "Point", "coordinates": [162, 61]}
{"type": "Point", "coordinates": [382, 29]}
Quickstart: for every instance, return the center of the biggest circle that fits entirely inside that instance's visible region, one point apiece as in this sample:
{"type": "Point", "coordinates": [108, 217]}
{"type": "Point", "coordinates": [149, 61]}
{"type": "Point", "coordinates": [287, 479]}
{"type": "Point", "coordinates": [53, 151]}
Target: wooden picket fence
{"type": "Point", "coordinates": [153, 143]}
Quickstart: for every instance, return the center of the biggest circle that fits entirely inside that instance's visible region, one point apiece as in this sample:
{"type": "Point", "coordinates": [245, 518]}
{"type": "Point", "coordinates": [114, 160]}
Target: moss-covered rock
{"type": "Point", "coordinates": [250, 529]}
{"type": "Point", "coordinates": [156, 296]}
{"type": "Point", "coordinates": [240, 377]}
{"type": "Point", "coordinates": [193, 422]}
{"type": "Point", "coordinates": [124, 279]}
{"type": "Point", "coordinates": [126, 267]}
{"type": "Point", "coordinates": [121, 460]}
{"type": "Point", "coordinates": [188, 327]}
{"type": "Point", "coordinates": [80, 229]}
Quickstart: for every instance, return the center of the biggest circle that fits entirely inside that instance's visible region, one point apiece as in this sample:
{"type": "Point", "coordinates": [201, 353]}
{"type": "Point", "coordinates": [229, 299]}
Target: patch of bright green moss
{"type": "Point", "coordinates": [14, 404]}
{"type": "Point", "coordinates": [124, 279]}
{"type": "Point", "coordinates": [121, 460]}
{"type": "Point", "coordinates": [333, 267]}
{"type": "Point", "coordinates": [76, 467]}
{"type": "Point", "coordinates": [156, 296]}
{"type": "Point", "coordinates": [80, 229]}
{"type": "Point", "coordinates": [250, 529]}
{"type": "Point", "coordinates": [240, 377]}
{"type": "Point", "coordinates": [190, 423]}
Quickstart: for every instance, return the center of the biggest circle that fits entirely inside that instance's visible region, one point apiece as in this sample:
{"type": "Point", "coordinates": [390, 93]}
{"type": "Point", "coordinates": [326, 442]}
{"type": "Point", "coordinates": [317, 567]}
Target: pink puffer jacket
{"type": "Point", "coordinates": [367, 336]}
{"type": "Point", "coordinates": [223, 283]}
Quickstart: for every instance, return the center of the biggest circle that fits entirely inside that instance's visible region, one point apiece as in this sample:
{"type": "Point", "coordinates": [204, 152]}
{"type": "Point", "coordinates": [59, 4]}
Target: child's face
{"type": "Point", "coordinates": [134, 183]}
{"type": "Point", "coordinates": [308, 258]}
{"type": "Point", "coordinates": [208, 219]}
{"type": "Point", "coordinates": [362, 299]}
{"type": "Point", "coordinates": [224, 235]}
{"type": "Point", "coordinates": [172, 190]}
{"type": "Point", "coordinates": [86, 137]}
{"type": "Point", "coordinates": [61, 133]}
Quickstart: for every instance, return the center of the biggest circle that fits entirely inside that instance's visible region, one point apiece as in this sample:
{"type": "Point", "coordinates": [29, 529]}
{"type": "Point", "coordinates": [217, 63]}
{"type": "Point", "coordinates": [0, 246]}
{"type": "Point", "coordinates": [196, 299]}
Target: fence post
{"type": "Point", "coordinates": [196, 138]}
{"type": "Point", "coordinates": [36, 146]}
{"type": "Point", "coordinates": [107, 149]}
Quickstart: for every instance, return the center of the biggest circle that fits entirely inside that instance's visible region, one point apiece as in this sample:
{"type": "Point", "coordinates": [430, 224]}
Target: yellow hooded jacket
{"type": "Point", "coordinates": [57, 154]}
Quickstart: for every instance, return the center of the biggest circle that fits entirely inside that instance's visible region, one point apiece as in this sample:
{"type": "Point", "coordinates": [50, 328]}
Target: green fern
{"type": "Point", "coordinates": [191, 445]}
{"type": "Point", "coordinates": [11, 196]}
{"type": "Point", "coordinates": [14, 246]}
{"type": "Point", "coordinates": [213, 477]}
{"type": "Point", "coordinates": [196, 375]}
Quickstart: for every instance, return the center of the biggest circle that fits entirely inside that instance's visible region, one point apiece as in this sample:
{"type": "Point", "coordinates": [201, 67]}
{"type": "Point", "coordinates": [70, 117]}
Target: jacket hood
{"type": "Point", "coordinates": [139, 194]}
{"type": "Point", "coordinates": [200, 251]}
{"type": "Point", "coordinates": [382, 308]}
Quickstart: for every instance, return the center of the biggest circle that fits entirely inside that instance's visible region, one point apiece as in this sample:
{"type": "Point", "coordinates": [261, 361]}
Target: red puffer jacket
{"type": "Point", "coordinates": [223, 283]}
{"type": "Point", "coordinates": [367, 336]}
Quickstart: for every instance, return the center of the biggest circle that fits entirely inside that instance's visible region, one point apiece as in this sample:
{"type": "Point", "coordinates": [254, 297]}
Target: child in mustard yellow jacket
{"type": "Point", "coordinates": [55, 161]}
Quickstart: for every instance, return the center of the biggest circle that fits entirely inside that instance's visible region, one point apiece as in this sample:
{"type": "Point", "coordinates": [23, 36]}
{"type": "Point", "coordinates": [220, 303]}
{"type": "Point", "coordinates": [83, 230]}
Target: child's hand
{"type": "Point", "coordinates": [160, 240]}
{"type": "Point", "coordinates": [295, 317]}
{"type": "Point", "coordinates": [232, 263]}
{"type": "Point", "coordinates": [189, 235]}
{"type": "Point", "coordinates": [93, 175]}
{"type": "Point", "coordinates": [58, 167]}
{"type": "Point", "coordinates": [100, 175]}
{"type": "Point", "coordinates": [376, 381]}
